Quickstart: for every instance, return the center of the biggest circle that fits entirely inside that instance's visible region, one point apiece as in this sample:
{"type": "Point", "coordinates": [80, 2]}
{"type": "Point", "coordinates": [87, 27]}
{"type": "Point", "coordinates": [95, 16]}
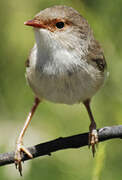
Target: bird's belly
{"type": "Point", "coordinates": [67, 88]}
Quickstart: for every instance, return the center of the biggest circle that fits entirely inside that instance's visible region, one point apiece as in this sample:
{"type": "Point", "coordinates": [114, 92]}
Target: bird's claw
{"type": "Point", "coordinates": [93, 140]}
{"type": "Point", "coordinates": [18, 156]}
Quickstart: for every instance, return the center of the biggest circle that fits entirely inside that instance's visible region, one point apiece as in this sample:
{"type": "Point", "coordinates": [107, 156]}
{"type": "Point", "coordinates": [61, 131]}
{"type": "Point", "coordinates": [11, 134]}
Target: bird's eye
{"type": "Point", "coordinates": [60, 25]}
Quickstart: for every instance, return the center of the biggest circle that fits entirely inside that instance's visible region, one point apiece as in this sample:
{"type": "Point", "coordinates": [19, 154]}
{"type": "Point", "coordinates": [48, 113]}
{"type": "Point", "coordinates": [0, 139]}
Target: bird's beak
{"type": "Point", "coordinates": [35, 23]}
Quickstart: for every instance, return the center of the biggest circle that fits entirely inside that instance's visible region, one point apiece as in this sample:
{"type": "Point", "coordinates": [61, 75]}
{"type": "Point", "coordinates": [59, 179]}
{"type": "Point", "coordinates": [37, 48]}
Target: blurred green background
{"type": "Point", "coordinates": [52, 120]}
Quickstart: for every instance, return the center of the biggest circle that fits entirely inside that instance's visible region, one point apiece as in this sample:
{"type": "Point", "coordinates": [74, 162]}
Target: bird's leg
{"type": "Point", "coordinates": [19, 145]}
{"type": "Point", "coordinates": [93, 136]}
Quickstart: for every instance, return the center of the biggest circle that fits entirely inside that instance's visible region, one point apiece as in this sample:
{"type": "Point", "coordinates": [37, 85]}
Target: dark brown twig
{"type": "Point", "coordinates": [75, 141]}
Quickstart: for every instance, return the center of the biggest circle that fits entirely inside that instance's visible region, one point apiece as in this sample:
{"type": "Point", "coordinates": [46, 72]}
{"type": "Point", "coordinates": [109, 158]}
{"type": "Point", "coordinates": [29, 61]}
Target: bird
{"type": "Point", "coordinates": [66, 66]}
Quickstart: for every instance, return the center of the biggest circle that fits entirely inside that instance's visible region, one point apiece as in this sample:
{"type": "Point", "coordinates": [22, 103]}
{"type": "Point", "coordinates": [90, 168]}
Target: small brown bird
{"type": "Point", "coordinates": [66, 65]}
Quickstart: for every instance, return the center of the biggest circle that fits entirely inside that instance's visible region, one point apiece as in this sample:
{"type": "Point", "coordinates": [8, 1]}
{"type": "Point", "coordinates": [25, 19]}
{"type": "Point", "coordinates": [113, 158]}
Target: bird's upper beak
{"type": "Point", "coordinates": [35, 23]}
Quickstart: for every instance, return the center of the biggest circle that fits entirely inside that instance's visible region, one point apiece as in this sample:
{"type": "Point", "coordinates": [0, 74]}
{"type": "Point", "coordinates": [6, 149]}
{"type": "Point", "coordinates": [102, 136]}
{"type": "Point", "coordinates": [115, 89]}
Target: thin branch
{"type": "Point", "coordinates": [75, 141]}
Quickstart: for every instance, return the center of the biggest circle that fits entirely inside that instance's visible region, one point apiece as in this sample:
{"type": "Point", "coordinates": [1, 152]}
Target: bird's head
{"type": "Point", "coordinates": [62, 24]}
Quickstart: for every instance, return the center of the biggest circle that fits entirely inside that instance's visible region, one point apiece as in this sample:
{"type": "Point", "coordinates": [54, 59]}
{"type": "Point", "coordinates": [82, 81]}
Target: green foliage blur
{"type": "Point", "coordinates": [55, 120]}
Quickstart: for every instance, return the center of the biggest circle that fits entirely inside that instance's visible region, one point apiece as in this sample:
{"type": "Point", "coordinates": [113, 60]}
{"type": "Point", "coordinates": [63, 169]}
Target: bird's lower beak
{"type": "Point", "coordinates": [35, 23]}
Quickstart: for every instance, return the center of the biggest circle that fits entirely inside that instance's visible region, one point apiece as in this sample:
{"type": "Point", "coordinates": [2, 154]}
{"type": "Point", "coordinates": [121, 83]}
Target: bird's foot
{"type": "Point", "coordinates": [93, 140]}
{"type": "Point", "coordinates": [18, 156]}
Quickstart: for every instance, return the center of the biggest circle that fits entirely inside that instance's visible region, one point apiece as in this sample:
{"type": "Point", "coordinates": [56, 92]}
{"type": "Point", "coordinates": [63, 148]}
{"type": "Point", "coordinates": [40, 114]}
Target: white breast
{"type": "Point", "coordinates": [60, 75]}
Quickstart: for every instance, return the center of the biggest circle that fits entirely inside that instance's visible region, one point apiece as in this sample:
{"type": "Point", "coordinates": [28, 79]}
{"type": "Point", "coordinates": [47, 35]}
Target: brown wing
{"type": "Point", "coordinates": [96, 56]}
